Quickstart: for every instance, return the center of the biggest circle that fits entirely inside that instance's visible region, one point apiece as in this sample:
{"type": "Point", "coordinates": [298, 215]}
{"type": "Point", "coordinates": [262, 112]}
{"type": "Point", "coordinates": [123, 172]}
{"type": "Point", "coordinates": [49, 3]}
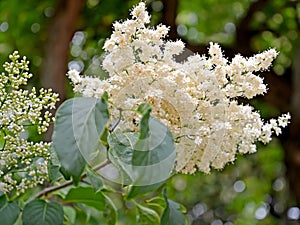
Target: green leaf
{"type": "Point", "coordinates": [70, 214]}
{"type": "Point", "coordinates": [172, 214]}
{"type": "Point", "coordinates": [39, 212]}
{"type": "Point", "coordinates": [120, 154]}
{"type": "Point", "coordinates": [78, 128]}
{"type": "Point", "coordinates": [81, 217]}
{"type": "Point", "coordinates": [158, 146]}
{"type": "Point", "coordinates": [157, 200]}
{"type": "Point", "coordinates": [105, 96]}
{"type": "Point", "coordinates": [53, 172]}
{"type": "Point", "coordinates": [145, 110]}
{"type": "Point", "coordinates": [139, 190]}
{"type": "Point", "coordinates": [94, 179]}
{"type": "Point", "coordinates": [87, 196]}
{"type": "Point", "coordinates": [153, 157]}
{"type": "Point", "coordinates": [110, 212]}
{"type": "Point", "coordinates": [145, 159]}
{"type": "Point", "coordinates": [9, 211]}
{"type": "Point", "coordinates": [157, 203]}
{"type": "Point", "coordinates": [146, 216]}
{"type": "Point", "coordinates": [54, 166]}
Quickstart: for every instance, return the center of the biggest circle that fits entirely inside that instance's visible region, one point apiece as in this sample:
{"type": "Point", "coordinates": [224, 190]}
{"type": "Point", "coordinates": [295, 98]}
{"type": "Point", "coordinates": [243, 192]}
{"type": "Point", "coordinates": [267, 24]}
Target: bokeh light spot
{"type": "Point", "coordinates": [4, 27]}
{"type": "Point", "coordinates": [293, 213]}
{"type": "Point", "coordinates": [35, 27]}
{"type": "Point", "coordinates": [278, 184]}
{"type": "Point", "coordinates": [261, 213]}
{"type": "Point", "coordinates": [181, 30]}
{"type": "Point", "coordinates": [157, 6]}
{"type": "Point", "coordinates": [239, 186]}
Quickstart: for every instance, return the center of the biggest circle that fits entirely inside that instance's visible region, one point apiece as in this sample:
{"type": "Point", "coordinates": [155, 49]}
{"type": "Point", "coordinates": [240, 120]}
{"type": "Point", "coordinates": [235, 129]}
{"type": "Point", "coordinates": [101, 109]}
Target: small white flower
{"type": "Point", "coordinates": [74, 76]}
{"type": "Point", "coordinates": [198, 140]}
{"type": "Point", "coordinates": [17, 151]}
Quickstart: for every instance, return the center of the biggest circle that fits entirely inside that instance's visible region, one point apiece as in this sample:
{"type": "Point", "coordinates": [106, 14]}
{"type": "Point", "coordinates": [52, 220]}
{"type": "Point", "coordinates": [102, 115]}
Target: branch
{"type": "Point", "coordinates": [169, 17]}
{"type": "Point", "coordinates": [243, 37]}
{"type": "Point", "coordinates": [46, 191]}
{"type": "Point", "coordinates": [60, 34]}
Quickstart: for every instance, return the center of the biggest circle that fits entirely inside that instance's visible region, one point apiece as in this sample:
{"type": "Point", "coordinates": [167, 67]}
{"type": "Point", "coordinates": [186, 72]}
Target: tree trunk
{"type": "Point", "coordinates": [61, 31]}
{"type": "Point", "coordinates": [169, 17]}
{"type": "Point", "coordinates": [60, 34]}
{"type": "Point", "coordinates": [292, 143]}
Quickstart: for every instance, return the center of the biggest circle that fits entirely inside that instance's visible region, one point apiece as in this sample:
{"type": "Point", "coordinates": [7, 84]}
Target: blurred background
{"type": "Point", "coordinates": [263, 188]}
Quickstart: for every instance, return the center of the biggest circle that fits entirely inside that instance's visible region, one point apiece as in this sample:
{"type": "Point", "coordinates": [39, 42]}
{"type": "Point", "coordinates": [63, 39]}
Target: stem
{"type": "Point", "coordinates": [46, 191]}
{"type": "Point", "coordinates": [113, 127]}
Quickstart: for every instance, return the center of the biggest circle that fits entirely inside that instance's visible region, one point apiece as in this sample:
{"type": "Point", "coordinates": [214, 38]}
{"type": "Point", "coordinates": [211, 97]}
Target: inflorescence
{"type": "Point", "coordinates": [196, 98]}
{"type": "Point", "coordinates": [23, 164]}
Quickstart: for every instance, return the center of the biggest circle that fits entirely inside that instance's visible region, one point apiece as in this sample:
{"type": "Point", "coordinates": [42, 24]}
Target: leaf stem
{"type": "Point", "coordinates": [113, 127]}
{"type": "Point", "coordinates": [46, 191]}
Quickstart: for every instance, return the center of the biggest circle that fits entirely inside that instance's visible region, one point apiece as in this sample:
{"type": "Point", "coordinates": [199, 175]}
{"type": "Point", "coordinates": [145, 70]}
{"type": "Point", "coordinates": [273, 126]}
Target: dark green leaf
{"type": "Point", "coordinates": [145, 110]}
{"type": "Point", "coordinates": [39, 212]}
{"type": "Point", "coordinates": [53, 172]}
{"type": "Point", "coordinates": [87, 196]}
{"type": "Point", "coordinates": [79, 125]}
{"type": "Point", "coordinates": [172, 214]}
{"type": "Point", "coordinates": [146, 216]}
{"type": "Point", "coordinates": [9, 211]}
{"type": "Point", "coordinates": [65, 173]}
{"type": "Point", "coordinates": [54, 166]}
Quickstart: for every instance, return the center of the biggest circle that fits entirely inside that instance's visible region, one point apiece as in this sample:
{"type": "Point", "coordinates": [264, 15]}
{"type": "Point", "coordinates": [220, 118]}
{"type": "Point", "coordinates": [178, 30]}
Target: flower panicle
{"type": "Point", "coordinates": [195, 98]}
{"type": "Point", "coordinates": [23, 163]}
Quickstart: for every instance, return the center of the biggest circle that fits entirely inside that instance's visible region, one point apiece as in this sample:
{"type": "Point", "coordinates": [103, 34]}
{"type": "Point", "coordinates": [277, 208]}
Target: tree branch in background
{"type": "Point", "coordinates": [57, 49]}
{"type": "Point", "coordinates": [292, 143]}
{"type": "Point", "coordinates": [169, 17]}
{"type": "Point", "coordinates": [243, 30]}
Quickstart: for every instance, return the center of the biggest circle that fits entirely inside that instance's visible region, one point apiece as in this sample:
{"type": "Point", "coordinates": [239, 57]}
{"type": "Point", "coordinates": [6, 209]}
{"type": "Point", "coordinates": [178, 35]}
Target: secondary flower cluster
{"type": "Point", "coordinates": [195, 98]}
{"type": "Point", "coordinates": [23, 164]}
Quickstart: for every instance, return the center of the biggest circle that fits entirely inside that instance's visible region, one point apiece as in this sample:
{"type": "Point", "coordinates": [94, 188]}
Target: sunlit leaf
{"type": "Point", "coordinates": [87, 196]}
{"type": "Point", "coordinates": [146, 216]}
{"type": "Point", "coordinates": [79, 125]}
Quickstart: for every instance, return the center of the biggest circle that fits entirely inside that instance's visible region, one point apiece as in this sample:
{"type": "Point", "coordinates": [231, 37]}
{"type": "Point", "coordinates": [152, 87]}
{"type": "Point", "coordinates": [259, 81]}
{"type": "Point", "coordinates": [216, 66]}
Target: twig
{"type": "Point", "coordinates": [46, 191]}
{"type": "Point", "coordinates": [113, 127]}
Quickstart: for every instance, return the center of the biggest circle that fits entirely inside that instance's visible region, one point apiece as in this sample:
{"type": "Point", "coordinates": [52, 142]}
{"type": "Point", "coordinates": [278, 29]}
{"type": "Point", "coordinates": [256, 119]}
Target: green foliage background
{"type": "Point", "coordinates": [253, 190]}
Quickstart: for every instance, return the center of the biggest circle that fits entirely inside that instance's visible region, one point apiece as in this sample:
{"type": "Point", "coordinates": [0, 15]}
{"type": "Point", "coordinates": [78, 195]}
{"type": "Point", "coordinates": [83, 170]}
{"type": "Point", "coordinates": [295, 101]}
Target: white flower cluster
{"type": "Point", "coordinates": [23, 164]}
{"type": "Point", "coordinates": [195, 98]}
